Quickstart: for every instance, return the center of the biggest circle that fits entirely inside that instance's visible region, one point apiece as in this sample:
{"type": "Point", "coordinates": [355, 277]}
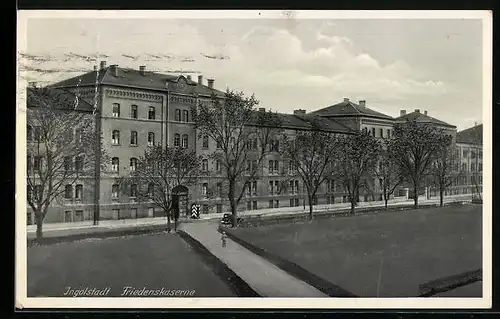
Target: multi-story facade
{"type": "Point", "coordinates": [138, 108]}
{"type": "Point", "coordinates": [469, 150]}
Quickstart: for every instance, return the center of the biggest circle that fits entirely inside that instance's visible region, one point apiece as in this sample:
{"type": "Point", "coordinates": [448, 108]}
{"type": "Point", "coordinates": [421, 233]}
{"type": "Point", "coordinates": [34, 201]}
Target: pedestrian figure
{"type": "Point", "coordinates": [224, 239]}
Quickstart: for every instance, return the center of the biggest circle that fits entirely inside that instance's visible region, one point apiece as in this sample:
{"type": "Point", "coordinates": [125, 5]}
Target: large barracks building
{"type": "Point", "coordinates": [139, 108]}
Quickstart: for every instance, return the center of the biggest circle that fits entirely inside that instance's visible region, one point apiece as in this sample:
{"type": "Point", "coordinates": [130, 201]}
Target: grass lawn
{"type": "Point", "coordinates": [388, 254]}
{"type": "Point", "coordinates": [151, 261]}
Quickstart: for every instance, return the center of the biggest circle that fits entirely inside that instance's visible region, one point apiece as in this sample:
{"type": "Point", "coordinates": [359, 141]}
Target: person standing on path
{"type": "Point", "coordinates": [223, 239]}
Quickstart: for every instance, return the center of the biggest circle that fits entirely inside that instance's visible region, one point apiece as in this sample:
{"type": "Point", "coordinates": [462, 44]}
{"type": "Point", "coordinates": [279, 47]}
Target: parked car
{"type": "Point", "coordinates": [226, 219]}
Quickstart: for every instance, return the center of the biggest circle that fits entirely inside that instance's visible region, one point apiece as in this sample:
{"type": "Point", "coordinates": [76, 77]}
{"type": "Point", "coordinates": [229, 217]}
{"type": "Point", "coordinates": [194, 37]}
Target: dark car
{"type": "Point", "coordinates": [226, 219]}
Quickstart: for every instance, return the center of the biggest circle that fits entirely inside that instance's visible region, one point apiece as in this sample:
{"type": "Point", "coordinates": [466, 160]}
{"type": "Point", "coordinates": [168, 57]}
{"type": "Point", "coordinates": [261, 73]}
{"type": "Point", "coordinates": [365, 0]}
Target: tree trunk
{"type": "Point", "coordinates": [234, 216]}
{"type": "Point", "coordinates": [386, 199]}
{"type": "Point", "coordinates": [415, 195]}
{"type": "Point", "coordinates": [441, 195]}
{"type": "Point", "coordinates": [310, 207]}
{"type": "Point", "coordinates": [168, 222]}
{"type": "Point", "coordinates": [39, 225]}
{"type": "Point", "coordinates": [353, 204]}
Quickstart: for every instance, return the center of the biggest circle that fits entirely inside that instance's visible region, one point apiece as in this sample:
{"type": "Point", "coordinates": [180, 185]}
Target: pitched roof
{"type": "Point", "coordinates": [422, 118]}
{"type": "Point", "coordinates": [472, 135]}
{"type": "Point", "coordinates": [134, 78]}
{"type": "Point", "coordinates": [348, 108]}
{"type": "Point", "coordinates": [60, 99]}
{"type": "Point", "coordinates": [310, 122]}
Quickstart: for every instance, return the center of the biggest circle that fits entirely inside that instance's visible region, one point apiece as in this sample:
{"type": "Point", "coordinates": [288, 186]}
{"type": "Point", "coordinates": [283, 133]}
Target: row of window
{"type": "Point", "coordinates": [373, 132]}
{"type": "Point", "coordinates": [35, 163]}
{"type": "Point", "coordinates": [134, 111]}
{"type": "Point", "coordinates": [35, 133]}
{"type": "Point", "coordinates": [115, 138]}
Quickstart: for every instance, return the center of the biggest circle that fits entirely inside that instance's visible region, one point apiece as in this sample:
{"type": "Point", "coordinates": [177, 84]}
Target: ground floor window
{"type": "Point", "coordinates": [254, 204]}
{"type": "Point", "coordinates": [249, 205]}
{"type": "Point", "coordinates": [205, 209]}
{"type": "Point", "coordinates": [116, 214]}
{"type": "Point", "coordinates": [271, 203]}
{"type": "Point", "coordinates": [151, 211]}
{"type": "Point", "coordinates": [79, 216]}
{"type": "Point", "coordinates": [276, 204]}
{"type": "Point", "coordinates": [219, 208]}
{"type": "Point", "coordinates": [67, 216]}
{"type": "Point", "coordinates": [133, 213]}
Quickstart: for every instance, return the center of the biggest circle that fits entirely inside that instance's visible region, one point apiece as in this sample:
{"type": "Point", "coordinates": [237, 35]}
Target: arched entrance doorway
{"type": "Point", "coordinates": [180, 201]}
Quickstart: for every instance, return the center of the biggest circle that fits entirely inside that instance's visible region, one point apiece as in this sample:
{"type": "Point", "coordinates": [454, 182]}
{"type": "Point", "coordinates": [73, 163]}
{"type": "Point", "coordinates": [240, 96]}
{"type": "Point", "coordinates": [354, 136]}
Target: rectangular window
{"type": "Point", "coordinates": [381, 132]}
{"type": "Point", "coordinates": [271, 204]}
{"type": "Point", "coordinates": [178, 115]}
{"type": "Point", "coordinates": [133, 213]}
{"type": "Point", "coordinates": [254, 204]}
{"type": "Point", "coordinates": [151, 113]}
{"type": "Point", "coordinates": [116, 214]}
{"type": "Point", "coordinates": [276, 204]}
{"type": "Point", "coordinates": [151, 139]}
{"type": "Point", "coordinates": [219, 189]}
{"type": "Point", "coordinates": [78, 215]}
{"type": "Point", "coordinates": [79, 163]}
{"type": "Point", "coordinates": [68, 192]}
{"type": "Point", "coordinates": [68, 216]}
{"type": "Point", "coordinates": [205, 141]}
{"type": "Point", "coordinates": [297, 202]}
{"type": "Point", "coordinates": [204, 189]}
{"type": "Point", "coordinates": [133, 138]}
{"type": "Point", "coordinates": [271, 187]}
{"type": "Point", "coordinates": [249, 205]}
{"type": "Point", "coordinates": [219, 208]}
{"type": "Point", "coordinates": [68, 164]}
{"type": "Point", "coordinates": [219, 144]}
{"type": "Point", "coordinates": [254, 188]}
{"type": "Point", "coordinates": [116, 110]}
{"type": "Point", "coordinates": [204, 165]}
{"type": "Point", "coordinates": [78, 136]}
{"type": "Point", "coordinates": [292, 202]}
{"type": "Point", "coordinates": [185, 116]}
{"type": "Point", "coordinates": [79, 191]}
{"type": "Point", "coordinates": [373, 131]}
{"type": "Point", "coordinates": [115, 137]}
{"type": "Point", "coordinates": [217, 165]}
{"type": "Point", "coordinates": [296, 187]}
{"type": "Point", "coordinates": [133, 111]}
{"type": "Point", "coordinates": [480, 167]}
{"type": "Point", "coordinates": [114, 191]}
{"type": "Point", "coordinates": [205, 209]}
{"type": "Point", "coordinates": [133, 190]}
{"type": "Point", "coordinates": [388, 133]}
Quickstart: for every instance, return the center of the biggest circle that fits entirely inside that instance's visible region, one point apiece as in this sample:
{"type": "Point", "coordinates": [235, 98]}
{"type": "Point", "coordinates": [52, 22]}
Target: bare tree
{"type": "Point", "coordinates": [244, 137]}
{"type": "Point", "coordinates": [388, 171]}
{"type": "Point", "coordinates": [415, 146]}
{"type": "Point", "coordinates": [441, 169]}
{"type": "Point", "coordinates": [61, 149]}
{"type": "Point", "coordinates": [312, 154]}
{"type": "Point", "coordinates": [158, 172]}
{"type": "Point", "coordinates": [357, 157]}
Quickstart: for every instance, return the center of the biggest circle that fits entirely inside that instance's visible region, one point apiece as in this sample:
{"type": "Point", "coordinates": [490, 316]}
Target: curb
{"type": "Point", "coordinates": [449, 283]}
{"type": "Point", "coordinates": [293, 269]}
{"type": "Point", "coordinates": [237, 284]}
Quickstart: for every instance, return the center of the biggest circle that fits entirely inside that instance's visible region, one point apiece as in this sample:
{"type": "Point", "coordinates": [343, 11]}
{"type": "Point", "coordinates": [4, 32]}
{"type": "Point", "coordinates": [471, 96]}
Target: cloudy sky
{"type": "Point", "coordinates": [433, 65]}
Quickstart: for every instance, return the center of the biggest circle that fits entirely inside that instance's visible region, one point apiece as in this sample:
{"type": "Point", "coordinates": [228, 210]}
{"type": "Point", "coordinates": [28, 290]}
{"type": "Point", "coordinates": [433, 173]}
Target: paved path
{"type": "Point", "coordinates": [264, 277]}
{"type": "Point", "coordinates": [64, 229]}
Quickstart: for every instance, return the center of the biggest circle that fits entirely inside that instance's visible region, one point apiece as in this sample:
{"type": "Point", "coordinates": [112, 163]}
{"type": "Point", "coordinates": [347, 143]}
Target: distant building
{"type": "Point", "coordinates": [469, 147]}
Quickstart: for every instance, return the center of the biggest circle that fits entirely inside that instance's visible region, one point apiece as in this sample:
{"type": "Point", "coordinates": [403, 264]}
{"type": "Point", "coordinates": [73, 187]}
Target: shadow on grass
{"type": "Point", "coordinates": [293, 269]}
{"type": "Point", "coordinates": [238, 285]}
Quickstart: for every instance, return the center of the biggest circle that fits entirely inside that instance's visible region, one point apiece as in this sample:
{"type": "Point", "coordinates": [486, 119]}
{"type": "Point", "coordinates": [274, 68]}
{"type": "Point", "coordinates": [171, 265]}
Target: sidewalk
{"type": "Point", "coordinates": [261, 275]}
{"type": "Point", "coordinates": [64, 229]}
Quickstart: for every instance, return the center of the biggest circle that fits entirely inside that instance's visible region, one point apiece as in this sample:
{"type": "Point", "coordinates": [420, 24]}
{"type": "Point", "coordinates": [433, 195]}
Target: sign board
{"type": "Point", "coordinates": [195, 211]}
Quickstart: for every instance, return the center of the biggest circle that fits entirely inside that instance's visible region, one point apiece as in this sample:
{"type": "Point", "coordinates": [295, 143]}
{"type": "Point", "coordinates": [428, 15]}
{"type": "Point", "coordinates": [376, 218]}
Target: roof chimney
{"type": "Point", "coordinates": [346, 99]}
{"type": "Point", "coordinates": [299, 111]}
{"type": "Point", "coordinates": [211, 83]}
{"type": "Point", "coordinates": [114, 69]}
{"type": "Point", "coordinates": [417, 111]}
{"type": "Point", "coordinates": [262, 109]}
{"type": "Point", "coordinates": [362, 103]}
{"type": "Point", "coordinates": [402, 112]}
{"type": "Point", "coordinates": [188, 77]}
{"type": "Point", "coordinates": [142, 69]}
{"type": "Point", "coordinates": [32, 84]}
{"type": "Point", "coordinates": [200, 79]}
{"type": "Point", "coordinates": [103, 65]}
{"type": "Point", "coordinates": [425, 112]}
{"type": "Point", "coordinates": [95, 67]}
